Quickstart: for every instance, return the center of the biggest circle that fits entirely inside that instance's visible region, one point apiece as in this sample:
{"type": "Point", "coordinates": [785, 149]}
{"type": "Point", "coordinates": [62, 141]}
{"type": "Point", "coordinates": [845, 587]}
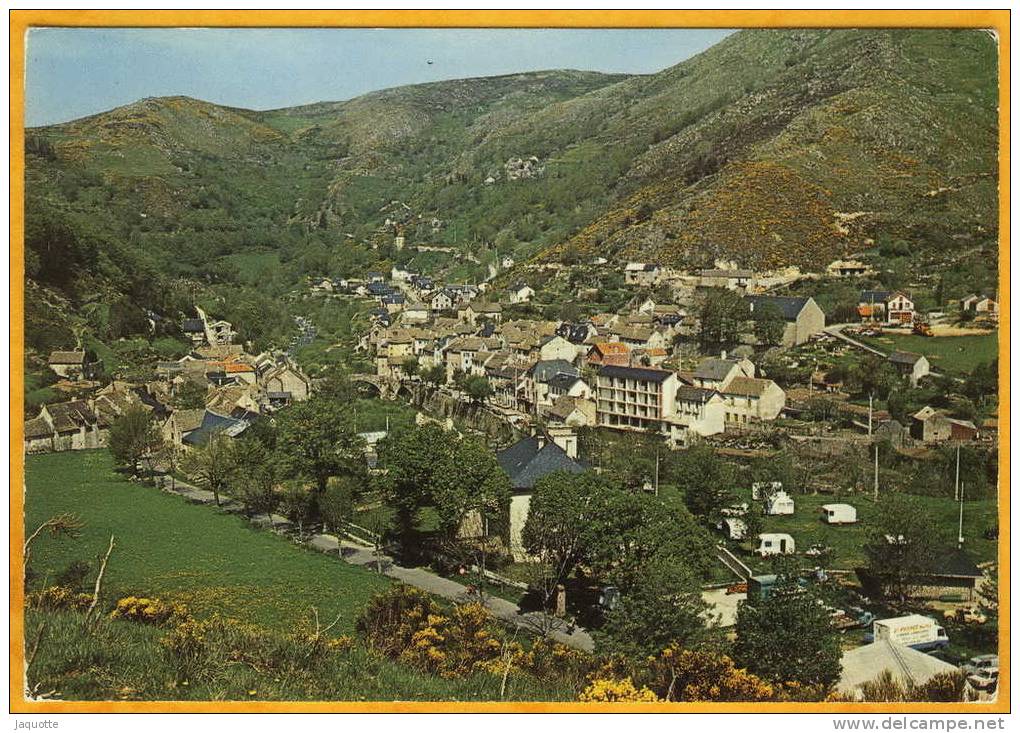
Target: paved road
{"type": "Point", "coordinates": [363, 556]}
{"type": "Point", "coordinates": [366, 557]}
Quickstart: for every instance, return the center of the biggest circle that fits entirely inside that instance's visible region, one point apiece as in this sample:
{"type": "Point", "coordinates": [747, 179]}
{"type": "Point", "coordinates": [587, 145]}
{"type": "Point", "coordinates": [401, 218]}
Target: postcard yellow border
{"type": "Point", "coordinates": [21, 20]}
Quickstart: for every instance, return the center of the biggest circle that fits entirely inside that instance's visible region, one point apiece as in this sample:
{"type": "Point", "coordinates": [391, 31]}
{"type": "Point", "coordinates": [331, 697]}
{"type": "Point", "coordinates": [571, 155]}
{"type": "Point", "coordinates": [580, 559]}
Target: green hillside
{"type": "Point", "coordinates": [774, 147]}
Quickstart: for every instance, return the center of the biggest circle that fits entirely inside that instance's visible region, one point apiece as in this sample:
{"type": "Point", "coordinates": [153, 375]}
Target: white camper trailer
{"type": "Point", "coordinates": [735, 529]}
{"type": "Point", "coordinates": [775, 543]}
{"type": "Point", "coordinates": [839, 514]}
{"type": "Point", "coordinates": [764, 489]}
{"type": "Point", "coordinates": [779, 503]}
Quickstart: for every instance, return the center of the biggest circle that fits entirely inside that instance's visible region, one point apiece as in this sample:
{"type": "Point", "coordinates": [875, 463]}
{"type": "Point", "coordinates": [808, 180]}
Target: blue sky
{"type": "Point", "coordinates": [73, 72]}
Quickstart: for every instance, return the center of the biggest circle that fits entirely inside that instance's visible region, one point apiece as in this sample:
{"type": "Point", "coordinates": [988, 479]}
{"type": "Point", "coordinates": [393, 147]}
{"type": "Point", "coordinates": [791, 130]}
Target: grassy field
{"type": "Point", "coordinates": [169, 548]}
{"type": "Point", "coordinates": [954, 354]}
{"type": "Point", "coordinates": [807, 528]}
{"type": "Point", "coordinates": [216, 563]}
{"type": "Point", "coordinates": [254, 265]}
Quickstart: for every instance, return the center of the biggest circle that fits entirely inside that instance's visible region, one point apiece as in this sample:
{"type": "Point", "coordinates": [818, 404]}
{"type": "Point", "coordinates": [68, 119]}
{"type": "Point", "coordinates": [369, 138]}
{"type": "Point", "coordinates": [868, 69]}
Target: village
{"type": "Point", "coordinates": [641, 372]}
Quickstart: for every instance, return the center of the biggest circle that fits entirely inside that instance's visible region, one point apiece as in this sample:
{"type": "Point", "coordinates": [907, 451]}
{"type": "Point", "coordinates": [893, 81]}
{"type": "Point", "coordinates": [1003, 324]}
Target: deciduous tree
{"type": "Point", "coordinates": [134, 435]}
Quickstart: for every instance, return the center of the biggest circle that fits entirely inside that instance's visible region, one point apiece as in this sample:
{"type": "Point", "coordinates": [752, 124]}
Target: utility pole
{"type": "Point", "coordinates": [876, 472]}
{"type": "Point", "coordinates": [871, 404]}
{"type": "Point", "coordinates": [957, 495]}
{"type": "Point", "coordinates": [656, 471]}
{"type": "Point", "coordinates": [960, 536]}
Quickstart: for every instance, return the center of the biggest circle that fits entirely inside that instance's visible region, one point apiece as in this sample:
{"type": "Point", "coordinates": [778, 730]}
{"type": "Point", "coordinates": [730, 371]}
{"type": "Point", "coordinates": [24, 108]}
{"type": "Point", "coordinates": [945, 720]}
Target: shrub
{"type": "Point", "coordinates": [609, 690]}
{"type": "Point", "coordinates": [59, 598]}
{"type": "Point", "coordinates": [684, 675]}
{"type": "Point", "coordinates": [392, 618]}
{"type": "Point", "coordinates": [148, 611]}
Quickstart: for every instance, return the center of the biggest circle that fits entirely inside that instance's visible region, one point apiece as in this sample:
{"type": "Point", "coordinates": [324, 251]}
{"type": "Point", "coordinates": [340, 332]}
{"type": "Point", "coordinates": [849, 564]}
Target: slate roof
{"type": "Point", "coordinates": [644, 374]}
{"type": "Point", "coordinates": [213, 424]}
{"type": "Point", "coordinates": [714, 369]}
{"type": "Point", "coordinates": [193, 325]}
{"type": "Point", "coordinates": [687, 393]}
{"type": "Point", "coordinates": [71, 415]}
{"type": "Point", "coordinates": [956, 564]}
{"type": "Point", "coordinates": [746, 386]}
{"type": "Point", "coordinates": [874, 296]}
{"type": "Point", "coordinates": [563, 381]}
{"type": "Point", "coordinates": [904, 357]}
{"type": "Point", "coordinates": [543, 371]}
{"type": "Point", "coordinates": [525, 462]}
{"type": "Point", "coordinates": [789, 306]}
{"type": "Point", "coordinates": [37, 427]}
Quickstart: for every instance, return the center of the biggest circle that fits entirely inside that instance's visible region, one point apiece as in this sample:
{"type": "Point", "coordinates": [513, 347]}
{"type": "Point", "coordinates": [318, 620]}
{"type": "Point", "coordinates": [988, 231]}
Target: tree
{"type": "Point", "coordinates": [628, 531]}
{"type": "Point", "coordinates": [902, 544]}
{"type": "Point", "coordinates": [211, 466]}
{"type": "Point", "coordinates": [337, 504]}
{"type": "Point", "coordinates": [298, 505]}
{"type": "Point", "coordinates": [874, 376]}
{"type": "Point", "coordinates": [705, 480]}
{"type": "Point", "coordinates": [662, 607]}
{"type": "Point", "coordinates": [469, 480]}
{"type": "Point", "coordinates": [134, 435]}
{"type": "Point", "coordinates": [253, 478]}
{"type": "Point", "coordinates": [411, 458]}
{"type": "Point", "coordinates": [477, 388]}
{"type": "Point", "coordinates": [779, 467]}
{"type": "Point", "coordinates": [411, 366]}
{"type": "Point", "coordinates": [556, 528]}
{"type": "Point", "coordinates": [769, 324]}
{"type": "Point", "coordinates": [721, 314]}
{"type": "Point", "coordinates": [435, 375]}
{"type": "Point", "coordinates": [788, 636]}
{"type": "Point", "coordinates": [316, 439]}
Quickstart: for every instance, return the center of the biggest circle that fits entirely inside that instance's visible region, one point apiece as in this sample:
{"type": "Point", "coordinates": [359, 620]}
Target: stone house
{"type": "Point", "coordinates": [73, 365]}
{"type": "Point", "coordinates": [802, 316]}
{"type": "Point", "coordinates": [750, 400]}
{"type": "Point", "coordinates": [913, 366]}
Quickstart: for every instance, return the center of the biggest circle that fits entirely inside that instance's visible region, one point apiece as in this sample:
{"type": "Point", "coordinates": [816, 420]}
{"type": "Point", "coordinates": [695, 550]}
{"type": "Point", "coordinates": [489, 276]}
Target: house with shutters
{"type": "Point", "coordinates": [749, 400]}
{"type": "Point", "coordinates": [699, 412]}
{"type": "Point", "coordinates": [885, 306]}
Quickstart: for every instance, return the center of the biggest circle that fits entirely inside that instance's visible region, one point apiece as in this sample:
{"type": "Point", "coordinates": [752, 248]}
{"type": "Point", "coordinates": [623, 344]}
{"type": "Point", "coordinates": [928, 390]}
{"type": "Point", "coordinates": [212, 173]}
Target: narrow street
{"type": "Point", "coordinates": [365, 556]}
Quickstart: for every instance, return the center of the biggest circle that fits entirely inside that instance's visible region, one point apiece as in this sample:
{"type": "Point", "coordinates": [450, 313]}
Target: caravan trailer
{"type": "Point", "coordinates": [839, 514]}
{"type": "Point", "coordinates": [779, 503]}
{"type": "Point", "coordinates": [775, 543]}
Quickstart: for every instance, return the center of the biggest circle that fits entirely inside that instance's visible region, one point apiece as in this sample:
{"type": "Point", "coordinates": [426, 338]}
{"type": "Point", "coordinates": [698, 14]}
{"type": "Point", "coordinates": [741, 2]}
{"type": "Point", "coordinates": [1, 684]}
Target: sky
{"type": "Point", "coordinates": [74, 72]}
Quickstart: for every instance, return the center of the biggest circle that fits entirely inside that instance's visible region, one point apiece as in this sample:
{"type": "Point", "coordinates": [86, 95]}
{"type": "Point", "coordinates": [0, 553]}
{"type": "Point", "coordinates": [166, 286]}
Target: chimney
{"type": "Point", "coordinates": [540, 437]}
{"type": "Point", "coordinates": [722, 354]}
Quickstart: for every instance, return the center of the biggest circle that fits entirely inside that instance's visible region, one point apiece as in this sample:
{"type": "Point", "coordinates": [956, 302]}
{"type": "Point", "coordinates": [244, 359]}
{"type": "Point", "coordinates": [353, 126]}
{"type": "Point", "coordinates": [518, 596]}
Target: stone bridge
{"type": "Point", "coordinates": [387, 387]}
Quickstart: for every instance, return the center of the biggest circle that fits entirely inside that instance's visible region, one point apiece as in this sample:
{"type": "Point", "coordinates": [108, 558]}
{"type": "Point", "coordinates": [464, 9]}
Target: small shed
{"type": "Point", "coordinates": [779, 503]}
{"type": "Point", "coordinates": [839, 514]}
{"type": "Point", "coordinates": [775, 543]}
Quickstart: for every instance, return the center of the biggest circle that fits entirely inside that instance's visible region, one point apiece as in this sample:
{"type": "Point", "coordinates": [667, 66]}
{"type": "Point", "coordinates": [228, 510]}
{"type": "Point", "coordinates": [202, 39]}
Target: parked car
{"type": "Point", "coordinates": [984, 661]}
{"type": "Point", "coordinates": [984, 679]}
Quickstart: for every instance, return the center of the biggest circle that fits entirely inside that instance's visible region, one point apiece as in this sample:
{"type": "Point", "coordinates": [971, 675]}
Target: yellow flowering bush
{"type": "Point", "coordinates": [686, 675]}
{"type": "Point", "coordinates": [393, 617]}
{"type": "Point", "coordinates": [610, 690]}
{"type": "Point", "coordinates": [148, 611]}
{"type": "Point", "coordinates": [58, 598]}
